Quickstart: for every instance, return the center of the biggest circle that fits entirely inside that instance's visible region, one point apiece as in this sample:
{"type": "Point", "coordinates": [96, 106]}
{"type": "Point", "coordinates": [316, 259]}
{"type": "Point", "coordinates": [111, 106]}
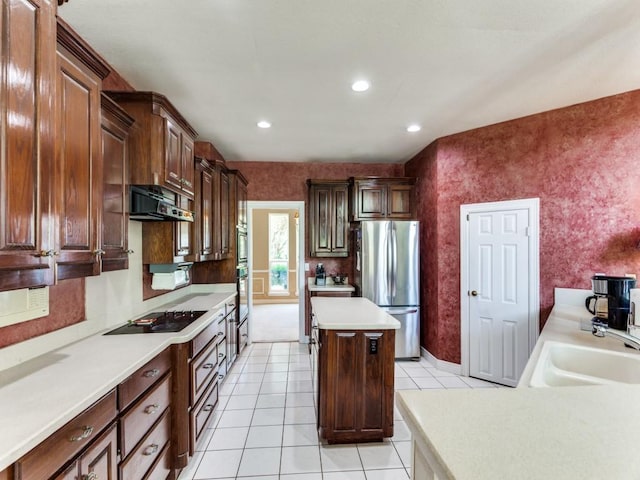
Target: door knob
{"type": "Point", "coordinates": [474, 293]}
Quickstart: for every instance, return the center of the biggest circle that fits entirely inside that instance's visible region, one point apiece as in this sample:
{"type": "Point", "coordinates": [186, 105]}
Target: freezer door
{"type": "Point", "coordinates": [408, 336]}
{"type": "Point", "coordinates": [375, 250]}
{"type": "Point", "coordinates": [405, 263]}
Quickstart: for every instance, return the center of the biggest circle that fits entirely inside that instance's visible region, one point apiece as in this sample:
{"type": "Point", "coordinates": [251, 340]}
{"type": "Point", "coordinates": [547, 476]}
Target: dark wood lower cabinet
{"type": "Point", "coordinates": [355, 385]}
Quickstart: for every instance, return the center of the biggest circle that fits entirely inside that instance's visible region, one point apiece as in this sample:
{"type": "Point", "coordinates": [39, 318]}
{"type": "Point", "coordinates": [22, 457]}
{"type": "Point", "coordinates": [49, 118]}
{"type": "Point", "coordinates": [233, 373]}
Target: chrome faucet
{"type": "Point", "coordinates": [601, 330]}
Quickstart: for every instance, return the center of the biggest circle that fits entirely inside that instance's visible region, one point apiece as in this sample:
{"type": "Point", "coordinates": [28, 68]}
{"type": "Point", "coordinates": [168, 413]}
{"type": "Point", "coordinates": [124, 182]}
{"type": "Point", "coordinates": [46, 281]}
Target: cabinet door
{"type": "Point", "coordinates": [217, 215]}
{"type": "Point", "coordinates": [329, 222]}
{"type": "Point", "coordinates": [78, 173]}
{"type": "Point", "coordinates": [399, 201]}
{"type": "Point", "coordinates": [370, 201]}
{"type": "Point", "coordinates": [339, 406]}
{"type": "Point", "coordinates": [100, 459]}
{"type": "Point", "coordinates": [320, 220]}
{"type": "Point", "coordinates": [340, 220]}
{"type": "Point", "coordinates": [27, 140]}
{"type": "Point", "coordinates": [225, 215]}
{"type": "Point", "coordinates": [173, 154]}
{"type": "Point", "coordinates": [114, 187]}
{"type": "Point", "coordinates": [187, 170]}
{"type": "Point", "coordinates": [204, 211]}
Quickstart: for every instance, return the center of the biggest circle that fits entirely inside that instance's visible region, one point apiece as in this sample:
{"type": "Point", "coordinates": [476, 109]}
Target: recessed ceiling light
{"type": "Point", "coordinates": [264, 124]}
{"type": "Point", "coordinates": [360, 86]}
{"type": "Point", "coordinates": [413, 128]}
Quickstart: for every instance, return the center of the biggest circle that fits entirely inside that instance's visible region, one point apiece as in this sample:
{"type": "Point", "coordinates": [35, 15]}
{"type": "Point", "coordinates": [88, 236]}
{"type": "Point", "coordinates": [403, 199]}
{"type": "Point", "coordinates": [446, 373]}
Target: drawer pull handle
{"type": "Point", "coordinates": [207, 408]}
{"type": "Point", "coordinates": [151, 449]}
{"type": "Point", "coordinates": [90, 476]}
{"type": "Point", "coordinates": [151, 409]}
{"type": "Point", "coordinates": [207, 365]}
{"type": "Point", "coordinates": [151, 373]}
{"type": "Point", "coordinates": [86, 432]}
{"type": "Point", "coordinates": [221, 355]}
{"type": "Point", "coordinates": [220, 377]}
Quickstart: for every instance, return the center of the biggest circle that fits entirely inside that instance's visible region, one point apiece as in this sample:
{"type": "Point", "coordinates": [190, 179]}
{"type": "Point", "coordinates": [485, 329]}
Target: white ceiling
{"type": "Point", "coordinates": [449, 65]}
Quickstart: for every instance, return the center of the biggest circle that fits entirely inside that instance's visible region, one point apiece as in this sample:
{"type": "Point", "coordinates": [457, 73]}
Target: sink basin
{"type": "Point", "coordinates": [565, 364]}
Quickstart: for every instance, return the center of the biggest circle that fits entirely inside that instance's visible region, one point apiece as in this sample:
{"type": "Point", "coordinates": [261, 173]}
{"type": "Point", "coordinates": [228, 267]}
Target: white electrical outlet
{"type": "Point", "coordinates": [18, 306]}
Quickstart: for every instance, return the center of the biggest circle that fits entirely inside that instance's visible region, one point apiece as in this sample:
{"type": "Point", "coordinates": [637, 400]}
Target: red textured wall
{"type": "Point", "coordinates": [581, 161]}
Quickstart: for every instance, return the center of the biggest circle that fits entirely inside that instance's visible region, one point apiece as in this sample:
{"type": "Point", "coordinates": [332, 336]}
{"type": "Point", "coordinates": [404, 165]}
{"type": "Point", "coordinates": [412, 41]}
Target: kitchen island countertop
{"type": "Point", "coordinates": [41, 395]}
{"type": "Point", "coordinates": [351, 313]}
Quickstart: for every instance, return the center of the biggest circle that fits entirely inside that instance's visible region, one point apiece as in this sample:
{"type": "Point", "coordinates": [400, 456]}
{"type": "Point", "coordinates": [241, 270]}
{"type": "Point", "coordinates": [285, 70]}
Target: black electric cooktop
{"type": "Point", "coordinates": [159, 322]}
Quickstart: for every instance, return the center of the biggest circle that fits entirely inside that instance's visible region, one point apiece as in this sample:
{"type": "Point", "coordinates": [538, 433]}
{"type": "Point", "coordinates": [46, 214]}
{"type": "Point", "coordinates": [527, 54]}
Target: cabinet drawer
{"type": "Point", "coordinates": [143, 378]}
{"type": "Point", "coordinates": [143, 414]}
{"type": "Point", "coordinates": [204, 337]}
{"type": "Point", "coordinates": [201, 413]}
{"type": "Point", "coordinates": [243, 335]}
{"type": "Point", "coordinates": [148, 451]}
{"type": "Point", "coordinates": [230, 305]}
{"type": "Point", "coordinates": [44, 460]}
{"type": "Point", "coordinates": [203, 369]}
{"type": "Point", "coordinates": [162, 466]}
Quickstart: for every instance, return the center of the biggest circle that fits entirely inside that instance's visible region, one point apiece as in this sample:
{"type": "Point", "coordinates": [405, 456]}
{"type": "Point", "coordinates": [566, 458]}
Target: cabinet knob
{"type": "Point", "coordinates": [129, 252]}
{"type": "Point", "coordinates": [207, 408]}
{"type": "Point", "coordinates": [151, 373]}
{"type": "Point", "coordinates": [474, 293]}
{"type": "Point", "coordinates": [86, 433]}
{"type": "Point", "coordinates": [46, 253]}
{"type": "Point", "coordinates": [151, 449]}
{"type": "Point", "coordinates": [99, 251]}
{"type": "Point", "coordinates": [151, 409]}
{"type": "Point", "coordinates": [208, 366]}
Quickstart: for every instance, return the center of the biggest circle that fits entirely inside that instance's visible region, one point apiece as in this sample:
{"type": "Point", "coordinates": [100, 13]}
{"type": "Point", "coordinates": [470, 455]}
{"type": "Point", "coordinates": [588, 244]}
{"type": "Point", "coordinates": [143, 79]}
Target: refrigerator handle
{"type": "Point", "coordinates": [394, 261]}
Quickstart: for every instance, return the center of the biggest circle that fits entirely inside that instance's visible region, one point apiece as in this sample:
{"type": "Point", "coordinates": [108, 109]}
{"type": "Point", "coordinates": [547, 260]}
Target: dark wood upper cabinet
{"type": "Point", "coordinates": [220, 203]}
{"type": "Point", "coordinates": [27, 87]}
{"type": "Point", "coordinates": [79, 171]}
{"type": "Point", "coordinates": [383, 198]}
{"type": "Point", "coordinates": [328, 218]}
{"type": "Point", "coordinates": [204, 194]}
{"type": "Point", "coordinates": [225, 214]}
{"type": "Point", "coordinates": [115, 130]}
{"type": "Point", "coordinates": [161, 147]}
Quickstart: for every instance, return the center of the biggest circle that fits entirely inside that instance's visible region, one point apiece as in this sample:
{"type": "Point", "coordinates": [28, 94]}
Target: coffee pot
{"type": "Point", "coordinates": [611, 300]}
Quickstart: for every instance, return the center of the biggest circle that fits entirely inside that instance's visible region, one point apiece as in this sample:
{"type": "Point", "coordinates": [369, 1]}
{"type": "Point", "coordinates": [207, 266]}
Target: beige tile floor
{"type": "Point", "coordinates": [264, 424]}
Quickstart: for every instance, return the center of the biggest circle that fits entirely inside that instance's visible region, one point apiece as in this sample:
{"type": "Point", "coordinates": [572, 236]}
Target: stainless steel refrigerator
{"type": "Point", "coordinates": [387, 272]}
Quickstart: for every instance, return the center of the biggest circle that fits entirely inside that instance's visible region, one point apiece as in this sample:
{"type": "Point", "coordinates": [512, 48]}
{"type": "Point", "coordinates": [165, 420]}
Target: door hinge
{"type": "Point", "coordinates": [467, 217]}
{"type": "Point", "coordinates": [527, 231]}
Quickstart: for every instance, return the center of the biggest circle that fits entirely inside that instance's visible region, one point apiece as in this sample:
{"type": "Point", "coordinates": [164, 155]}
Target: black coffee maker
{"type": "Point", "coordinates": [617, 291]}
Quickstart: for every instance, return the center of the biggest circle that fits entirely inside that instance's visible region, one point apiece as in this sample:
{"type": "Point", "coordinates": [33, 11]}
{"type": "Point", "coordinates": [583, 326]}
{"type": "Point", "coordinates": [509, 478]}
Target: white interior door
{"type": "Point", "coordinates": [499, 295]}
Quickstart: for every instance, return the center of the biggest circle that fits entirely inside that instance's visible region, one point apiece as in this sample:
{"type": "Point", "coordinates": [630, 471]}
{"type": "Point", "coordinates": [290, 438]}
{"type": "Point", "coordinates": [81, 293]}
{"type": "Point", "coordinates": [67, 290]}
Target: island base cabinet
{"type": "Point", "coordinates": [355, 391]}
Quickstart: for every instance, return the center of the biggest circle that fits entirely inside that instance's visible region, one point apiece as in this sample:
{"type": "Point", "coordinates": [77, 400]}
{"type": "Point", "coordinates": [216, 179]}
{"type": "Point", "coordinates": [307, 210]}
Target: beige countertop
{"type": "Point", "coordinates": [351, 313]}
{"type": "Point", "coordinates": [330, 286]}
{"type": "Point", "coordinates": [531, 433]}
{"type": "Point", "coordinates": [41, 395]}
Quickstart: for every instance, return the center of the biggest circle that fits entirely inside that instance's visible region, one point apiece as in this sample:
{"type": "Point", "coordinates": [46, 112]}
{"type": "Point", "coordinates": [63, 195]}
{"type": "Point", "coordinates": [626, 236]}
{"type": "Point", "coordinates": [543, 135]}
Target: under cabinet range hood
{"type": "Point", "coordinates": [153, 203]}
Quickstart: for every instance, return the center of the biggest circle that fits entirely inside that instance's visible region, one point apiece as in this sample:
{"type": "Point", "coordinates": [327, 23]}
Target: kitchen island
{"type": "Point", "coordinates": [353, 354]}
{"type": "Point", "coordinates": [528, 433]}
